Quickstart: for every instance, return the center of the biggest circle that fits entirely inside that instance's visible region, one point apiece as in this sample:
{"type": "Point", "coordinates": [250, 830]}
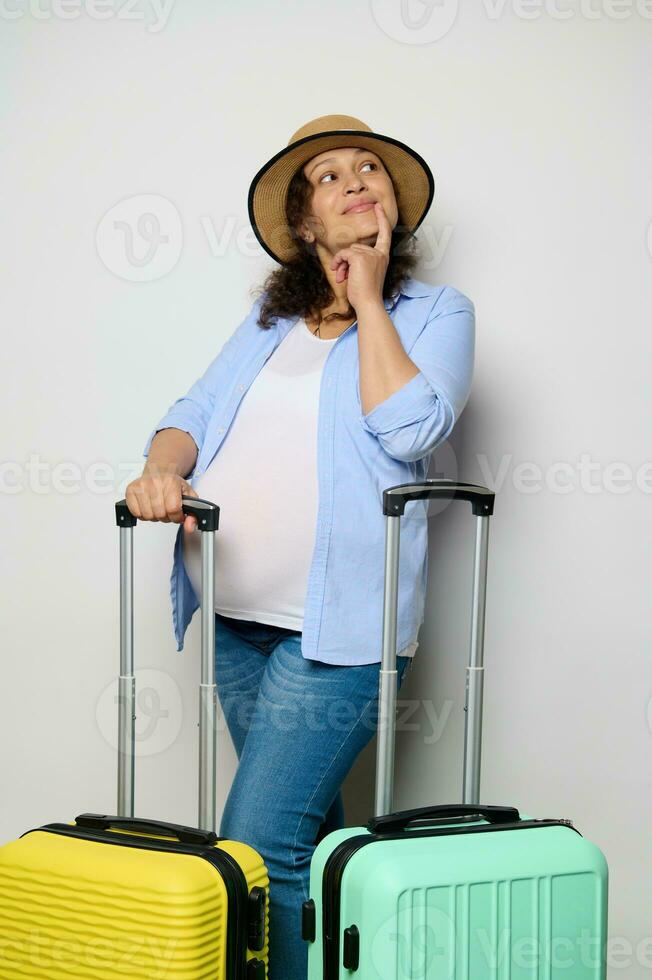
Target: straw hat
{"type": "Point", "coordinates": [414, 184]}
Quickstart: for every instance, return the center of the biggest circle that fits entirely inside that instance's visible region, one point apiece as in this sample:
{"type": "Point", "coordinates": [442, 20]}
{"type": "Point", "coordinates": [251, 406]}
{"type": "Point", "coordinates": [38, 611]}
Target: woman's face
{"type": "Point", "coordinates": [340, 179]}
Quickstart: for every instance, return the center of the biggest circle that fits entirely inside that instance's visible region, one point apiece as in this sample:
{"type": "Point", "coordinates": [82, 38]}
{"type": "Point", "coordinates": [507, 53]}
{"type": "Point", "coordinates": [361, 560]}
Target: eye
{"type": "Point", "coordinates": [367, 163]}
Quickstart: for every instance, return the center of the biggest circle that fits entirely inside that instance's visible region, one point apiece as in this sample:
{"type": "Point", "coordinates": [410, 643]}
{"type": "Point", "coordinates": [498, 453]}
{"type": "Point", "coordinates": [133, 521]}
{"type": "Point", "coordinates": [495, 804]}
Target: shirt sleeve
{"type": "Point", "coordinates": [192, 412]}
{"type": "Point", "coordinates": [414, 420]}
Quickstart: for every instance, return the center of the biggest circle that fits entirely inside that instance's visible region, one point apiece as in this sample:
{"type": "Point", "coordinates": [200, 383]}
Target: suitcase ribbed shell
{"type": "Point", "coordinates": [78, 908]}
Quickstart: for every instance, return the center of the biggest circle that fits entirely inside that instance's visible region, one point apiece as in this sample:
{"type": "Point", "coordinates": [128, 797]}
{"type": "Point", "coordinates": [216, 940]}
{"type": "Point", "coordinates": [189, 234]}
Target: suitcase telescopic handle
{"type": "Point", "coordinates": [207, 516]}
{"type": "Point", "coordinates": [187, 835]}
{"type": "Point", "coordinates": [205, 513]}
{"type": "Point", "coordinates": [394, 501]}
{"type": "Point", "coordinates": [391, 822]}
{"type": "Point", "coordinates": [480, 498]}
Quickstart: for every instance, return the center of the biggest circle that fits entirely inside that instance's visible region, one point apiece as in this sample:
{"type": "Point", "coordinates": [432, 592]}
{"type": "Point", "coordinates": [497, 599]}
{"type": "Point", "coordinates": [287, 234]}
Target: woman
{"type": "Point", "coordinates": [320, 419]}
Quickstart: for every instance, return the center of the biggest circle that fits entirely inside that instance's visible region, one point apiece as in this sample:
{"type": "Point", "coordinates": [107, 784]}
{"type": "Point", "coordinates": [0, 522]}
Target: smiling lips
{"type": "Point", "coordinates": [359, 208]}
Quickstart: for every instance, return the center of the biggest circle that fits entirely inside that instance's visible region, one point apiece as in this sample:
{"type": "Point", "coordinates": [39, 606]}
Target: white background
{"type": "Point", "coordinates": [535, 121]}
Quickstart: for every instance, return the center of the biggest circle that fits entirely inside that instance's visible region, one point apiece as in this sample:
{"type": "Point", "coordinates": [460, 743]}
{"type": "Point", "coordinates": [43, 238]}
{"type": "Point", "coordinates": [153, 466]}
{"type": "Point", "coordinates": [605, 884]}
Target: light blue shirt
{"type": "Point", "coordinates": [358, 457]}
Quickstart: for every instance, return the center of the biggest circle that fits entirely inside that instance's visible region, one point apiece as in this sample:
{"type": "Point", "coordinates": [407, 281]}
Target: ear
{"type": "Point", "coordinates": [305, 233]}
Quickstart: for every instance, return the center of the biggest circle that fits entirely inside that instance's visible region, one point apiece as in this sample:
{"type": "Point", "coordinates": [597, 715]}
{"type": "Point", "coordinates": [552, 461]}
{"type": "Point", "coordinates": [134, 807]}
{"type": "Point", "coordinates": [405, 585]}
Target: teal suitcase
{"type": "Point", "coordinates": [461, 892]}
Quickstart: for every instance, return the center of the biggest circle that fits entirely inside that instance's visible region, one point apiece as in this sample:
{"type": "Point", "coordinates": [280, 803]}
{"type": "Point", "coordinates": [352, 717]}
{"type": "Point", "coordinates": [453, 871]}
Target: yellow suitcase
{"type": "Point", "coordinates": [110, 896]}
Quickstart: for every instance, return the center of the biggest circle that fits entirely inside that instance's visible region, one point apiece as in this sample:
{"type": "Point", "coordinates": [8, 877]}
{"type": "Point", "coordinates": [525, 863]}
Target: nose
{"type": "Point", "coordinates": [354, 183]}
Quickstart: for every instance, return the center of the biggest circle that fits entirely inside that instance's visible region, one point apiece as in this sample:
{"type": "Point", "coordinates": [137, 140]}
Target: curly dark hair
{"type": "Point", "coordinates": [301, 286]}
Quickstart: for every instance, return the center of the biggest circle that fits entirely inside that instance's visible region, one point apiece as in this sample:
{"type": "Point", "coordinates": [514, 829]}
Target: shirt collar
{"type": "Point", "coordinates": [413, 288]}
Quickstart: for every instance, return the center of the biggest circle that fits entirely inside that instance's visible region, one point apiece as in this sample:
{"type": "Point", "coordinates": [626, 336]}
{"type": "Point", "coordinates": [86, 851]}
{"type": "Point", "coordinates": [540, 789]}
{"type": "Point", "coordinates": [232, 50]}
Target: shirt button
{"type": "Point", "coordinates": [241, 387]}
{"type": "Point", "coordinates": [220, 430]}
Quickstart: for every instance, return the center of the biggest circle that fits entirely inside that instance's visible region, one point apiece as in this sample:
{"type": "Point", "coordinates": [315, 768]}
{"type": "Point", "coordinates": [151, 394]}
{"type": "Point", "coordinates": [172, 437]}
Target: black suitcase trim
{"type": "Point", "coordinates": [338, 858]}
{"type": "Point", "coordinates": [232, 874]}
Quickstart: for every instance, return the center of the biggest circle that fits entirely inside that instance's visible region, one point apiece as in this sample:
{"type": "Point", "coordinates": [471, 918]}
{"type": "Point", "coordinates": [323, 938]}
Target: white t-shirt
{"type": "Point", "coordinates": [264, 479]}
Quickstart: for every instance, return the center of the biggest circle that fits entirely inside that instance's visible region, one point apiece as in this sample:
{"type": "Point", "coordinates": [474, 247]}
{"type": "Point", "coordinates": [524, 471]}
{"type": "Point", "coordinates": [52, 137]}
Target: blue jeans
{"type": "Point", "coordinates": [297, 727]}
